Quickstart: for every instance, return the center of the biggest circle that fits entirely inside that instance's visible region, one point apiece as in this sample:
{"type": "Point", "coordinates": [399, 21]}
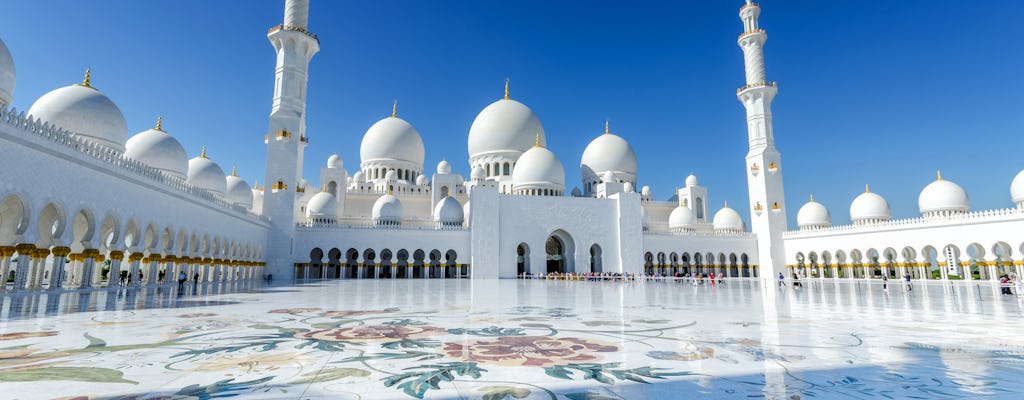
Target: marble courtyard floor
{"type": "Point", "coordinates": [514, 339]}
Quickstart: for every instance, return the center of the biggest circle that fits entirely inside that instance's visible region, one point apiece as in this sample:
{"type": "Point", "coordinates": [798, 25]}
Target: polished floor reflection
{"type": "Point", "coordinates": [515, 339]}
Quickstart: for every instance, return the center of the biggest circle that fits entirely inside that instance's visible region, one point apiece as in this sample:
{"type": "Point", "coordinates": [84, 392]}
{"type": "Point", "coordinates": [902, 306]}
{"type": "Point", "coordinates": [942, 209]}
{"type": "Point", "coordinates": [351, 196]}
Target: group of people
{"type": "Point", "coordinates": [1008, 282]}
{"type": "Point", "coordinates": [582, 276]}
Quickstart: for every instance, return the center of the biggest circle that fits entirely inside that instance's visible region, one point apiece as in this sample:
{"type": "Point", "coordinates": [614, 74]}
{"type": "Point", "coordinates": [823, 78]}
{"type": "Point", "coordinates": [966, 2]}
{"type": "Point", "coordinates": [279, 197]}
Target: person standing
{"type": "Point", "coordinates": [181, 280]}
{"type": "Point", "coordinates": [907, 279]}
{"type": "Point", "coordinates": [782, 279]}
{"type": "Point", "coordinates": [885, 283]}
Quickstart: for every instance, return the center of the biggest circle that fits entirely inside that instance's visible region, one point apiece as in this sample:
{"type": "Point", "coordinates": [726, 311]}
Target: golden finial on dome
{"type": "Point", "coordinates": [234, 170]}
{"type": "Point", "coordinates": [389, 189]}
{"type": "Point", "coordinates": [159, 124]}
{"type": "Point", "coordinates": [203, 154]}
{"type": "Point", "coordinates": [506, 89]}
{"type": "Point", "coordinates": [867, 188]}
{"type": "Point", "coordinates": [812, 198]}
{"type": "Point", "coordinates": [323, 188]}
{"type": "Point", "coordinates": [939, 173]}
{"type": "Point", "coordinates": [726, 204]}
{"type": "Point", "coordinates": [537, 142]}
{"type": "Point", "coordinates": [606, 130]}
{"type": "Point", "coordinates": [394, 109]}
{"type": "Point", "coordinates": [88, 79]}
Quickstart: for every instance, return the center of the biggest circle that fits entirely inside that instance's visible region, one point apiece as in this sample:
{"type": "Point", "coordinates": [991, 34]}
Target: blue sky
{"type": "Point", "coordinates": [873, 91]}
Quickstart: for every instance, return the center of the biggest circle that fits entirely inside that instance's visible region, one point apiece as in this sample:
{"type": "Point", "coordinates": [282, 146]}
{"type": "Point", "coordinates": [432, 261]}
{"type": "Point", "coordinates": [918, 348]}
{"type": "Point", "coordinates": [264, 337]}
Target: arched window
{"type": "Point", "coordinates": [488, 169]}
{"type": "Point", "coordinates": [506, 171]}
{"type": "Point", "coordinates": [699, 203]}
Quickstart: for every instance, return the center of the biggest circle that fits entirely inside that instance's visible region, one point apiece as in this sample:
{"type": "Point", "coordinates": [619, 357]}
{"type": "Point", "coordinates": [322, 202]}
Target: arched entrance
{"type": "Point", "coordinates": [522, 259]}
{"type": "Point", "coordinates": [559, 249]}
{"type": "Point", "coordinates": [595, 259]}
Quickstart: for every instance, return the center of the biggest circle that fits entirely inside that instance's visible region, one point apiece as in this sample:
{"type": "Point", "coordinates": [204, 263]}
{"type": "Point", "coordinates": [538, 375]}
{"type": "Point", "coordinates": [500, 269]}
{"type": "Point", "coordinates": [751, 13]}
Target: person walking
{"type": "Point", "coordinates": [782, 279]}
{"type": "Point", "coordinates": [181, 281]}
{"type": "Point", "coordinates": [906, 278]}
{"type": "Point", "coordinates": [885, 283]}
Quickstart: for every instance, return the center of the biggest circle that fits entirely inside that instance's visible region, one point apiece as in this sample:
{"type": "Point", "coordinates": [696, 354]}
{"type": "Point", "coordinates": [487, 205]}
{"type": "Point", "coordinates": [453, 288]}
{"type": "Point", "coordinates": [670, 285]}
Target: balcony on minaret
{"type": "Point", "coordinates": [756, 85]}
{"type": "Point", "coordinates": [293, 28]}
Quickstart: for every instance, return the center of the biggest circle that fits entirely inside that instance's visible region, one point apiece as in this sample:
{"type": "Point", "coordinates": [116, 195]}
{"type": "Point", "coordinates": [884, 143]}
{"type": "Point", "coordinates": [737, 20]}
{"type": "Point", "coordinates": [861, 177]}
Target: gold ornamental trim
{"type": "Point", "coordinates": [25, 248]}
{"type": "Point", "coordinates": [7, 251]}
{"type": "Point", "coordinates": [61, 251]}
{"type": "Point", "coordinates": [136, 257]}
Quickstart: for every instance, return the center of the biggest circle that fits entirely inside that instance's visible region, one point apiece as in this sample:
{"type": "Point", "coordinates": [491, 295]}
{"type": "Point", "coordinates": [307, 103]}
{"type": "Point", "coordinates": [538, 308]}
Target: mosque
{"type": "Point", "coordinates": [81, 201]}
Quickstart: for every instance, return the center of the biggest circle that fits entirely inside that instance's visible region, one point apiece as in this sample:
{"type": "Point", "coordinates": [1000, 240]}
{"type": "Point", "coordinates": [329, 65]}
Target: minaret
{"type": "Point", "coordinates": [286, 137]}
{"type": "Point", "coordinates": [764, 166]}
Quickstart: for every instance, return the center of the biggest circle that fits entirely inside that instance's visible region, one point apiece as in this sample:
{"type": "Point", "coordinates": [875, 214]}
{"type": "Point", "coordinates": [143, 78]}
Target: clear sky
{"type": "Point", "coordinates": [872, 91]}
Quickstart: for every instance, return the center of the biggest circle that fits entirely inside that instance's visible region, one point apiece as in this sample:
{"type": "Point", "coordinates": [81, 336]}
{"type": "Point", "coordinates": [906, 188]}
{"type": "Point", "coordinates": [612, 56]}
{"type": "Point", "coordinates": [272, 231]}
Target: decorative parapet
{"type": "Point", "coordinates": [719, 235]}
{"type": "Point", "coordinates": [919, 222]}
{"type": "Point", "coordinates": [753, 32]}
{"type": "Point", "coordinates": [293, 28]}
{"type": "Point", "coordinates": [756, 85]}
{"type": "Point", "coordinates": [424, 224]}
{"type": "Point", "coordinates": [110, 157]}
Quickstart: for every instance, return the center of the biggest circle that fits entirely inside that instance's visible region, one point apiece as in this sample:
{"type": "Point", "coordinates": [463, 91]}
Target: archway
{"type": "Point", "coordinates": [334, 264]}
{"type": "Point", "coordinates": [522, 259]}
{"type": "Point", "coordinates": [402, 265]}
{"type": "Point", "coordinates": [386, 267]}
{"type": "Point", "coordinates": [560, 250]}
{"type": "Point", "coordinates": [351, 263]}
{"type": "Point", "coordinates": [315, 269]}
{"type": "Point", "coordinates": [595, 259]}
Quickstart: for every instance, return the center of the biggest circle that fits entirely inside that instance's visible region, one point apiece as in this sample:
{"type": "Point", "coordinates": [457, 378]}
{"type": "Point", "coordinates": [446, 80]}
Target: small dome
{"type": "Point", "coordinates": [645, 191]}
{"type": "Point", "coordinates": [84, 111]}
{"type": "Point", "coordinates": [392, 138]}
{"type": "Point", "coordinates": [334, 161]}
{"type": "Point", "coordinates": [205, 174]}
{"type": "Point", "coordinates": [323, 205]}
{"type": "Point", "coordinates": [238, 191]}
{"type": "Point", "coordinates": [359, 176]}
{"type": "Point", "coordinates": [728, 220]}
{"type": "Point", "coordinates": [576, 192]}
{"type": "Point", "coordinates": [538, 168]}
{"type": "Point", "coordinates": [8, 75]}
{"type": "Point", "coordinates": [943, 196]}
{"type": "Point", "coordinates": [444, 167]}
{"type": "Point", "coordinates": [691, 180]}
{"type": "Point", "coordinates": [391, 175]}
{"type": "Point", "coordinates": [477, 173]}
{"type": "Point", "coordinates": [813, 215]}
{"type": "Point", "coordinates": [1017, 188]}
{"type": "Point", "coordinates": [608, 152]}
{"type": "Point", "coordinates": [682, 218]}
{"type": "Point", "coordinates": [422, 180]}
{"type": "Point", "coordinates": [448, 211]}
{"type": "Point", "coordinates": [159, 150]}
{"type": "Point", "coordinates": [868, 207]}
{"type": "Point", "coordinates": [387, 208]}
{"type": "Point", "coordinates": [505, 125]}
{"type": "Point", "coordinates": [628, 187]}
{"type": "Point", "coordinates": [608, 177]}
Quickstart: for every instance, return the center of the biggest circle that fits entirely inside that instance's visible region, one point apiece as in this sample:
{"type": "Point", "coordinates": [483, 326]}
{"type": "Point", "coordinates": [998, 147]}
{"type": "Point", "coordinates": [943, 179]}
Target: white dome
{"type": "Point", "coordinates": [334, 161]}
{"type": "Point", "coordinates": [628, 187]}
{"type": "Point", "coordinates": [387, 208]}
{"type": "Point", "coordinates": [728, 220]}
{"type": "Point", "coordinates": [359, 176]}
{"type": "Point", "coordinates": [205, 174]}
{"type": "Point", "coordinates": [943, 196]}
{"type": "Point", "coordinates": [392, 138]}
{"type": "Point", "coordinates": [391, 175]}
{"type": "Point", "coordinates": [448, 211]}
{"type": "Point", "coordinates": [159, 150]}
{"type": "Point", "coordinates": [505, 125]}
{"type": "Point", "coordinates": [608, 152]}
{"type": "Point", "coordinates": [477, 173]}
{"type": "Point", "coordinates": [645, 191]}
{"type": "Point", "coordinates": [813, 215]}
{"type": "Point", "coordinates": [238, 191]}
{"type": "Point", "coordinates": [8, 75]}
{"type": "Point", "coordinates": [869, 206]}
{"type": "Point", "coordinates": [691, 180]}
{"type": "Point", "coordinates": [538, 167]}
{"type": "Point", "coordinates": [444, 167]}
{"type": "Point", "coordinates": [322, 205]}
{"type": "Point", "coordinates": [682, 217]}
{"type": "Point", "coordinates": [1017, 188]}
{"type": "Point", "coordinates": [608, 177]}
{"type": "Point", "coordinates": [422, 180]}
{"type": "Point", "coordinates": [84, 111]}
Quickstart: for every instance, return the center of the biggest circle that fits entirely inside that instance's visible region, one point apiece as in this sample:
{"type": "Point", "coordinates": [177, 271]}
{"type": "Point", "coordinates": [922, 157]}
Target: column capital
{"type": "Point", "coordinates": [25, 248]}
{"type": "Point", "coordinates": [61, 251]}
{"type": "Point", "coordinates": [136, 257]}
{"type": "Point", "coordinates": [114, 255]}
{"type": "Point", "coordinates": [7, 251]}
{"type": "Point", "coordinates": [90, 253]}
{"type": "Point", "coordinates": [41, 253]}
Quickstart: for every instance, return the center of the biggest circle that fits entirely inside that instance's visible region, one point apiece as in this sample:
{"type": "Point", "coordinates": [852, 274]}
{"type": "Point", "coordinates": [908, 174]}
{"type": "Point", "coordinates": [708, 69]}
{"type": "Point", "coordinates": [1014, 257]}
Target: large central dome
{"type": "Point", "coordinates": [392, 138]}
{"type": "Point", "coordinates": [503, 126]}
{"type": "Point", "coordinates": [608, 152]}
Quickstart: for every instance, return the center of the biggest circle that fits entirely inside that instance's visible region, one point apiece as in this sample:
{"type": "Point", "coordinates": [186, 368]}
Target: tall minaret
{"type": "Point", "coordinates": [286, 137]}
{"type": "Point", "coordinates": [764, 166]}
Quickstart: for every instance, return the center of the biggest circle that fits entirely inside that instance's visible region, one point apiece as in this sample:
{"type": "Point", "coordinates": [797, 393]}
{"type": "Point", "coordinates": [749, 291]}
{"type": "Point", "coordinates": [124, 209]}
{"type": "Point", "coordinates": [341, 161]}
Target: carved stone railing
{"type": "Point", "coordinates": [917, 222]}
{"type": "Point", "coordinates": [756, 85]}
{"type": "Point", "coordinates": [417, 224]}
{"type": "Point", "coordinates": [109, 157]}
{"type": "Point", "coordinates": [294, 29]}
{"type": "Point", "coordinates": [719, 235]}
